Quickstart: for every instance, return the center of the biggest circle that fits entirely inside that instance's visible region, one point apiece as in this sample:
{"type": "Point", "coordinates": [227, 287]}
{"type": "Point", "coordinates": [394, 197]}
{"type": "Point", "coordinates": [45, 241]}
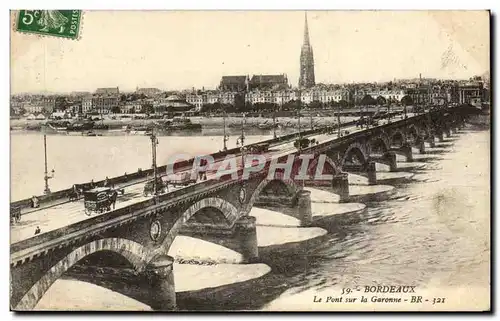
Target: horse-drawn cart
{"type": "Point", "coordinates": [99, 200]}
{"type": "Point", "coordinates": [149, 187]}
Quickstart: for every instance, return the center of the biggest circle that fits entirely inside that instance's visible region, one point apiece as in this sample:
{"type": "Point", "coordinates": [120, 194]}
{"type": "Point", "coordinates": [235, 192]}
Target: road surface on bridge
{"type": "Point", "coordinates": [63, 214]}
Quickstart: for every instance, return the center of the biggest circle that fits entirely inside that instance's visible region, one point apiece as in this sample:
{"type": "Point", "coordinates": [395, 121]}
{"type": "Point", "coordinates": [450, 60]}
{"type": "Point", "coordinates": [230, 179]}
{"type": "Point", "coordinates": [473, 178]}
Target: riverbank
{"type": "Point", "coordinates": [206, 122]}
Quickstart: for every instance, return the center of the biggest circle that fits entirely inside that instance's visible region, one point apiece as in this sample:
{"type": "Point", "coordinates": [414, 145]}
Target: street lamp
{"type": "Point", "coordinates": [226, 137]}
{"type": "Point", "coordinates": [338, 121]}
{"type": "Point", "coordinates": [300, 105]}
{"type": "Point", "coordinates": [241, 140]}
{"type": "Point", "coordinates": [154, 143]}
{"type": "Point", "coordinates": [274, 121]}
{"type": "Point", "coordinates": [389, 112]}
{"type": "Point", "coordinates": [46, 176]}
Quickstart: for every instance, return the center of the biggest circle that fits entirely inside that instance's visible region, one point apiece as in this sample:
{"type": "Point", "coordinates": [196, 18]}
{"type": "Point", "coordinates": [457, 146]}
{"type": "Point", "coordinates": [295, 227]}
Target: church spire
{"type": "Point", "coordinates": [306, 31]}
{"type": "Point", "coordinates": [306, 79]}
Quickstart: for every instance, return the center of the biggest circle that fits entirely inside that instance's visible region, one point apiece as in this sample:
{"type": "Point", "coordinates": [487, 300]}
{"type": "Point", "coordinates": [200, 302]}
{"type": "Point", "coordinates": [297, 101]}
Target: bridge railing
{"type": "Point", "coordinates": [143, 174]}
{"type": "Point", "coordinates": [86, 225]}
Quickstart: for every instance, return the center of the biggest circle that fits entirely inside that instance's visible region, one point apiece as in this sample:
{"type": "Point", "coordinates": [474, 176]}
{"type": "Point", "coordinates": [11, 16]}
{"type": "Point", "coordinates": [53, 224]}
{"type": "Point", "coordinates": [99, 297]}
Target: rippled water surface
{"type": "Point", "coordinates": [433, 232]}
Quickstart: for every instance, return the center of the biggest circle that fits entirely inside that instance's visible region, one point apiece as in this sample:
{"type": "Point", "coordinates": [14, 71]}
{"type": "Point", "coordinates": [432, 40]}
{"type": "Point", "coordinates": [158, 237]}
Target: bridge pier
{"type": "Point", "coordinates": [246, 234]}
{"type": "Point", "coordinates": [241, 238]}
{"type": "Point", "coordinates": [303, 208]}
{"type": "Point", "coordinates": [421, 145]}
{"type": "Point", "coordinates": [440, 137]}
{"type": "Point", "coordinates": [340, 186]}
{"type": "Point", "coordinates": [372, 173]}
{"type": "Point", "coordinates": [160, 275]}
{"type": "Point", "coordinates": [393, 164]}
{"type": "Point", "coordinates": [407, 152]}
{"type": "Point", "coordinates": [388, 158]}
{"type": "Point", "coordinates": [431, 142]}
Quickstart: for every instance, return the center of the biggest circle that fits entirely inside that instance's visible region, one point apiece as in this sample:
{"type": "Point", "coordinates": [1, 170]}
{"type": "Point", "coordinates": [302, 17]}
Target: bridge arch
{"type": "Point", "coordinates": [289, 185]}
{"type": "Point", "coordinates": [412, 133]}
{"type": "Point", "coordinates": [398, 138]}
{"type": "Point", "coordinates": [132, 251]}
{"type": "Point", "coordinates": [379, 144]}
{"type": "Point", "coordinates": [355, 154]}
{"type": "Point", "coordinates": [329, 163]}
{"type": "Point", "coordinates": [227, 209]}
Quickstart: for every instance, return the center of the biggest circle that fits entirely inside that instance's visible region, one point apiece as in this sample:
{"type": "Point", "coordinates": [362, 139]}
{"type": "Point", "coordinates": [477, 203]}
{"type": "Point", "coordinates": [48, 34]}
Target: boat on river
{"type": "Point", "coordinates": [80, 126]}
{"type": "Point", "coordinates": [178, 124]}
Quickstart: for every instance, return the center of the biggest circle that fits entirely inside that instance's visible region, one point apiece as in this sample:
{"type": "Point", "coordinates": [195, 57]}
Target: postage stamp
{"type": "Point", "coordinates": [57, 23]}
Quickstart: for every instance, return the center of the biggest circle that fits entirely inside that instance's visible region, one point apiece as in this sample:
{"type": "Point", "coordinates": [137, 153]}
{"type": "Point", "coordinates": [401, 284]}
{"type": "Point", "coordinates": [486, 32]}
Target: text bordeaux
{"type": "Point", "coordinates": [390, 289]}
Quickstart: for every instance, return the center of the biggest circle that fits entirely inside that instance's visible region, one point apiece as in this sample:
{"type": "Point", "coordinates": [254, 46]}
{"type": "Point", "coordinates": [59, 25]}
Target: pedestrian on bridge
{"type": "Point", "coordinates": [106, 182]}
{"type": "Point", "coordinates": [37, 230]}
{"type": "Point", "coordinates": [34, 202]}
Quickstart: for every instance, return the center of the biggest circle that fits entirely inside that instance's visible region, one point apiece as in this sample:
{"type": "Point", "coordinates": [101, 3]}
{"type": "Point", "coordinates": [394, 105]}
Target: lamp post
{"type": "Point", "coordinates": [274, 122]}
{"type": "Point", "coordinates": [154, 143]}
{"type": "Point", "coordinates": [46, 176]}
{"type": "Point", "coordinates": [241, 141]}
{"type": "Point", "coordinates": [338, 121]}
{"type": "Point", "coordinates": [226, 137]}
{"type": "Point", "coordinates": [300, 133]}
{"type": "Point", "coordinates": [389, 113]}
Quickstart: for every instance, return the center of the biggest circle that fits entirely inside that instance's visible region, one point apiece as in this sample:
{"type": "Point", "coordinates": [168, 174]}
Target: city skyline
{"type": "Point", "coordinates": [181, 50]}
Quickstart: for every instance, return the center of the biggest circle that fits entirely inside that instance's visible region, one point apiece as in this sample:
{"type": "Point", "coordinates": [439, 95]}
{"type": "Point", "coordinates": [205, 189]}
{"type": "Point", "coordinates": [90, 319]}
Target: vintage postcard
{"type": "Point", "coordinates": [250, 160]}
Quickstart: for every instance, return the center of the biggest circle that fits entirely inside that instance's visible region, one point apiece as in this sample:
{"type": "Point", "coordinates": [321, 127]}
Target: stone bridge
{"type": "Point", "coordinates": [216, 210]}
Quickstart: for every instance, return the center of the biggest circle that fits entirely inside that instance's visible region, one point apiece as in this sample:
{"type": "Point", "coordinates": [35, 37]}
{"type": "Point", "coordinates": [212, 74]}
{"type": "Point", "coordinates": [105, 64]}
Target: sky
{"type": "Point", "coordinates": [184, 49]}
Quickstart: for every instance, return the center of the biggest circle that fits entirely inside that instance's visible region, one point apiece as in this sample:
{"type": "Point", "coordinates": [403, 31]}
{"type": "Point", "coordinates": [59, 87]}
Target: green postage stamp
{"type": "Point", "coordinates": [57, 23]}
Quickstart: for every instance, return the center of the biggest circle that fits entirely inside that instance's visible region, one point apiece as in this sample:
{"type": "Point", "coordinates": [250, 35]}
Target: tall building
{"type": "Point", "coordinates": [306, 79]}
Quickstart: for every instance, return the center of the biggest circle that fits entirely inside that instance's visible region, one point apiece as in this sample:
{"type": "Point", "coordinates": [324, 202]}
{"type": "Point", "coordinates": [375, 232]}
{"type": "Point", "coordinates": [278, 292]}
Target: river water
{"type": "Point", "coordinates": [433, 233]}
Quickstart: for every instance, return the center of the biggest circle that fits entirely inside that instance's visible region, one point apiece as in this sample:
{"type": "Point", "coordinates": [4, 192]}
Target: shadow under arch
{"type": "Point", "coordinates": [354, 155]}
{"type": "Point", "coordinates": [228, 210]}
{"type": "Point", "coordinates": [378, 145]}
{"type": "Point", "coordinates": [288, 185]}
{"type": "Point", "coordinates": [398, 138]}
{"type": "Point", "coordinates": [132, 251]}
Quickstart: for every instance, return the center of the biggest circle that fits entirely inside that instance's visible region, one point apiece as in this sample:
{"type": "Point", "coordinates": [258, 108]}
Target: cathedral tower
{"type": "Point", "coordinates": [306, 79]}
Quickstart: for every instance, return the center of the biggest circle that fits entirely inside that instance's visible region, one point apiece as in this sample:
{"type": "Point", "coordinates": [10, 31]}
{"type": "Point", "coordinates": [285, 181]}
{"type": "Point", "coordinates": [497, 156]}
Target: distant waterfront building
{"type": "Point", "coordinates": [269, 82]}
{"type": "Point", "coordinates": [86, 104]}
{"type": "Point", "coordinates": [131, 107]}
{"type": "Point", "coordinates": [269, 96]}
{"type": "Point", "coordinates": [214, 97]}
{"type": "Point", "coordinates": [306, 79]}
{"type": "Point", "coordinates": [234, 83]}
{"type": "Point", "coordinates": [470, 93]}
{"type": "Point", "coordinates": [420, 95]}
{"type": "Point", "coordinates": [173, 102]}
{"type": "Point", "coordinates": [103, 105]}
{"type": "Point", "coordinates": [33, 109]}
{"type": "Point", "coordinates": [388, 95]}
{"type": "Point", "coordinates": [108, 91]}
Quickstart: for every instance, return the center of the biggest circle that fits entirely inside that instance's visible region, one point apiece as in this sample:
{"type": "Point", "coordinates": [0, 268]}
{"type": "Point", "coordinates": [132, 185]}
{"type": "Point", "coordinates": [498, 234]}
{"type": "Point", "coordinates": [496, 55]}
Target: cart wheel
{"type": "Point", "coordinates": [145, 194]}
{"type": "Point", "coordinates": [87, 212]}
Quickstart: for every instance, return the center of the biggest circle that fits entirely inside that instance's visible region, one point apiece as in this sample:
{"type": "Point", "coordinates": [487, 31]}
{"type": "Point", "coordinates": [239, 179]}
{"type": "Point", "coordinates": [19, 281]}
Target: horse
{"type": "Point", "coordinates": [75, 193]}
{"type": "Point", "coordinates": [112, 198]}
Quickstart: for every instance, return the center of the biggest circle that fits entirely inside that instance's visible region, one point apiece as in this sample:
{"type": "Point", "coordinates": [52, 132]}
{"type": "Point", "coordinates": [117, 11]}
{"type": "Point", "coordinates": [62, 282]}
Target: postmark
{"type": "Point", "coordinates": [56, 23]}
